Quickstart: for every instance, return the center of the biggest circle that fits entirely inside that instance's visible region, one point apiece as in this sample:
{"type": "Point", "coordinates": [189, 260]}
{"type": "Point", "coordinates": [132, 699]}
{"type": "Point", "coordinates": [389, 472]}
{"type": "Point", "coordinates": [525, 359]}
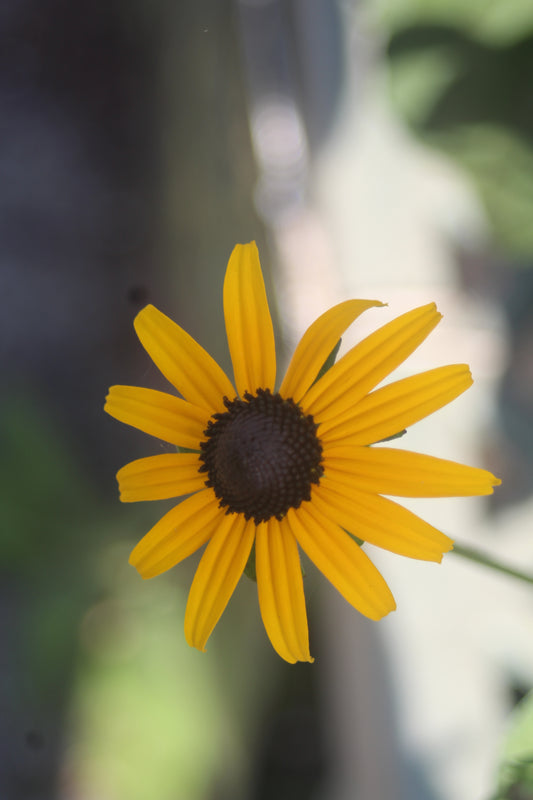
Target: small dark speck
{"type": "Point", "coordinates": [137, 295]}
{"type": "Point", "coordinates": [34, 740]}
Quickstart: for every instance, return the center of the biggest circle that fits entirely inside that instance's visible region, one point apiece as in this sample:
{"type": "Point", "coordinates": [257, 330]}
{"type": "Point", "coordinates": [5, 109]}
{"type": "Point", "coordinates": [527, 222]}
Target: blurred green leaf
{"type": "Point", "coordinates": [42, 492]}
{"type": "Point", "coordinates": [501, 165]}
{"type": "Point", "coordinates": [493, 21]}
{"type": "Point", "coordinates": [419, 77]}
{"type": "Point", "coordinates": [516, 770]}
{"type": "Point", "coordinates": [472, 99]}
{"type": "Point", "coordinates": [147, 717]}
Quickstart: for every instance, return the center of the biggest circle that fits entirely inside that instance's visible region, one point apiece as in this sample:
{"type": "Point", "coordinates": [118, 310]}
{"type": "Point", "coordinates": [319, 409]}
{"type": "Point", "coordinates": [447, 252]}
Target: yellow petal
{"type": "Point", "coordinates": [396, 406]}
{"type": "Point", "coordinates": [162, 415]}
{"type": "Point", "coordinates": [218, 573]}
{"type": "Point", "coordinates": [383, 470]}
{"type": "Point", "coordinates": [160, 477]}
{"type": "Point", "coordinates": [317, 343]}
{"type": "Point", "coordinates": [366, 364]}
{"type": "Point", "coordinates": [183, 362]}
{"type": "Point", "coordinates": [281, 592]}
{"type": "Point", "coordinates": [341, 560]}
{"type": "Point", "coordinates": [178, 534]}
{"type": "Point", "coordinates": [380, 521]}
{"type": "Point", "coordinates": [248, 322]}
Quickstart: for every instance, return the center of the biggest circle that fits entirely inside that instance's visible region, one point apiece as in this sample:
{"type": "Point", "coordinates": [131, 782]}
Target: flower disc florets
{"type": "Point", "coordinates": [261, 455]}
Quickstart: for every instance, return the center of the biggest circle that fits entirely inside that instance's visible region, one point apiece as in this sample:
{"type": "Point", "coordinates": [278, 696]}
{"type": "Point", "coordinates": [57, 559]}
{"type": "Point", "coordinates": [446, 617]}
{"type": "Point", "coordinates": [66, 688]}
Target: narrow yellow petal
{"type": "Point", "coordinates": [218, 573]}
{"type": "Point", "coordinates": [341, 560]}
{"type": "Point", "coordinates": [381, 522]}
{"type": "Point", "coordinates": [396, 406]}
{"type": "Point", "coordinates": [178, 534]}
{"type": "Point", "coordinates": [248, 322]}
{"type": "Point", "coordinates": [160, 477]}
{"type": "Point", "coordinates": [383, 470]}
{"type": "Point", "coordinates": [267, 599]}
{"type": "Point", "coordinates": [162, 415]}
{"type": "Point", "coordinates": [280, 590]}
{"type": "Point", "coordinates": [366, 364]}
{"type": "Point", "coordinates": [317, 343]}
{"type": "Point", "coordinates": [292, 574]}
{"type": "Point", "coordinates": [183, 362]}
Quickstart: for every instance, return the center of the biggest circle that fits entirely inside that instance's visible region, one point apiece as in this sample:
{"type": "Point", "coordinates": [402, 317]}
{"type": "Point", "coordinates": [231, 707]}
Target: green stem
{"type": "Point", "coordinates": [487, 561]}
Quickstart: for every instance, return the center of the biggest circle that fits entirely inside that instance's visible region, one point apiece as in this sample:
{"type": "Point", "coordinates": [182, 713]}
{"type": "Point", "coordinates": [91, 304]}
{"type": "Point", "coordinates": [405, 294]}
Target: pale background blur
{"type": "Point", "coordinates": [373, 149]}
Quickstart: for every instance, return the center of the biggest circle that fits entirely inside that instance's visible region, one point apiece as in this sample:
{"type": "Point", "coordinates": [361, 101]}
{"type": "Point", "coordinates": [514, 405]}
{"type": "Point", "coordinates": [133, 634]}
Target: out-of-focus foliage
{"type": "Point", "coordinates": [516, 770]}
{"type": "Point", "coordinates": [41, 486]}
{"type": "Point", "coordinates": [460, 75]}
{"type": "Point", "coordinates": [496, 21]}
{"type": "Point", "coordinates": [145, 704]}
{"type": "Point", "coordinates": [130, 173]}
{"type": "Point", "coordinates": [47, 507]}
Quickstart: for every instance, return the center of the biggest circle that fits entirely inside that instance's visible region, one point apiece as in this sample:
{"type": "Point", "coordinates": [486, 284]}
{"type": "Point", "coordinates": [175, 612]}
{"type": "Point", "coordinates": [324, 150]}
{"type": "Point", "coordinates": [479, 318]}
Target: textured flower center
{"type": "Point", "coordinates": [261, 455]}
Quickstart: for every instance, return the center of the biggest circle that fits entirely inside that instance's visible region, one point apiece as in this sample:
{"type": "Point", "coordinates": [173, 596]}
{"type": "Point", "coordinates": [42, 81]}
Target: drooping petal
{"type": "Point", "coordinates": [178, 534]}
{"type": "Point", "coordinates": [248, 322]}
{"type": "Point", "coordinates": [341, 560]}
{"type": "Point", "coordinates": [380, 521]}
{"type": "Point", "coordinates": [218, 573]}
{"type": "Point", "coordinates": [383, 470]}
{"type": "Point", "coordinates": [280, 590]}
{"type": "Point", "coordinates": [366, 364]}
{"type": "Point", "coordinates": [317, 343]}
{"type": "Point", "coordinates": [396, 406]}
{"type": "Point", "coordinates": [160, 477]}
{"type": "Point", "coordinates": [183, 362]}
{"type": "Point", "coordinates": [162, 415]}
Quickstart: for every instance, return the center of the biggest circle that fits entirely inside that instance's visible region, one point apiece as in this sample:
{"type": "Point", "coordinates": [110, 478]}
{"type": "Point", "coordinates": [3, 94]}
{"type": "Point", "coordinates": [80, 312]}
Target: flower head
{"type": "Point", "coordinates": [286, 468]}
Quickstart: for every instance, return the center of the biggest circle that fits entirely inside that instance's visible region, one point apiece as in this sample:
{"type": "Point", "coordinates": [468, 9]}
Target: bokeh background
{"type": "Point", "coordinates": [380, 149]}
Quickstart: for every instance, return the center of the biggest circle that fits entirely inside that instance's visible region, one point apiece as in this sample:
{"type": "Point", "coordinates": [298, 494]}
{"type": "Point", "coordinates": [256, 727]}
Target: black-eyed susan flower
{"type": "Point", "coordinates": [286, 468]}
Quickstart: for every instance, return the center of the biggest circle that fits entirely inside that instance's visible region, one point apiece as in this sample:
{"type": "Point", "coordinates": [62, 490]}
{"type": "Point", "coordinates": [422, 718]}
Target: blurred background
{"type": "Point", "coordinates": [374, 149]}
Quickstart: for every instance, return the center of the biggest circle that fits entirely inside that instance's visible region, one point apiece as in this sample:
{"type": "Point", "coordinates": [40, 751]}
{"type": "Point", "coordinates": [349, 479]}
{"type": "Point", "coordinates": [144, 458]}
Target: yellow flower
{"type": "Point", "coordinates": [288, 468]}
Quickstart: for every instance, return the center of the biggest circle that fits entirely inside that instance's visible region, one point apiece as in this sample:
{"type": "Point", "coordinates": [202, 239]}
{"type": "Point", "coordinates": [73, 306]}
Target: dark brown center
{"type": "Point", "coordinates": [261, 456]}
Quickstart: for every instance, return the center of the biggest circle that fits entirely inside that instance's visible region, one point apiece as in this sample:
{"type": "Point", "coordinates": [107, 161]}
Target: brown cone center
{"type": "Point", "coordinates": [261, 456]}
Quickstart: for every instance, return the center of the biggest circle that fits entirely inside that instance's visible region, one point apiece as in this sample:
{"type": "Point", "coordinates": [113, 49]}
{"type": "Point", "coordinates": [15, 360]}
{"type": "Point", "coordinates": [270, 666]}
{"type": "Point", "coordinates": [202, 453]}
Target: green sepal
{"type": "Point", "coordinates": [249, 569]}
{"type": "Point", "coordinates": [359, 541]}
{"type": "Point", "coordinates": [185, 449]}
{"type": "Point", "coordinates": [394, 436]}
{"type": "Point", "coordinates": [328, 363]}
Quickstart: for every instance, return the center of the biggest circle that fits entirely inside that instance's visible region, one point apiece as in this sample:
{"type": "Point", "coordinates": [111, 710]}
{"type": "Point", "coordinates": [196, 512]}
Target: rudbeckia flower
{"type": "Point", "coordinates": [286, 468]}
